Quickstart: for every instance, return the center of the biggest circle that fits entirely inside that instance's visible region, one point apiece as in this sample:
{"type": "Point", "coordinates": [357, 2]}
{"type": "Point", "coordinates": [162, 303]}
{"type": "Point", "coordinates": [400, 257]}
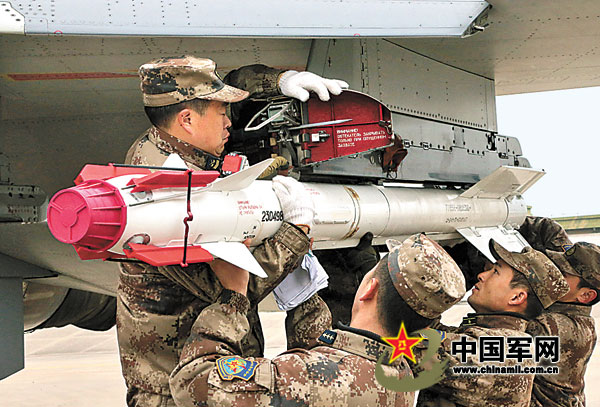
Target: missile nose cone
{"type": "Point", "coordinates": [69, 217]}
{"type": "Point", "coordinates": [92, 215]}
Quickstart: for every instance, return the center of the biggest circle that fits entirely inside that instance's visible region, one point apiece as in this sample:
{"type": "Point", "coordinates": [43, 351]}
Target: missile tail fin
{"type": "Point", "coordinates": [237, 254]}
{"type": "Point", "coordinates": [480, 237]}
{"type": "Point", "coordinates": [241, 179]}
{"type": "Point", "coordinates": [167, 256]}
{"type": "Point", "coordinates": [504, 182]}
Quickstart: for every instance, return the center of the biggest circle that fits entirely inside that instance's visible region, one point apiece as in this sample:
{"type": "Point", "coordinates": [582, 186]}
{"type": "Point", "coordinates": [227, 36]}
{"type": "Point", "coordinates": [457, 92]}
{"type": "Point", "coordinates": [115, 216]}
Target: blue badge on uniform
{"type": "Point", "coordinates": [328, 337]}
{"type": "Point", "coordinates": [442, 334]}
{"type": "Point", "coordinates": [230, 367]}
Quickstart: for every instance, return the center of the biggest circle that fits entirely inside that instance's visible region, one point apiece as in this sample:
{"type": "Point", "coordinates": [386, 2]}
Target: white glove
{"type": "Point", "coordinates": [296, 203]}
{"type": "Point", "coordinates": [298, 84]}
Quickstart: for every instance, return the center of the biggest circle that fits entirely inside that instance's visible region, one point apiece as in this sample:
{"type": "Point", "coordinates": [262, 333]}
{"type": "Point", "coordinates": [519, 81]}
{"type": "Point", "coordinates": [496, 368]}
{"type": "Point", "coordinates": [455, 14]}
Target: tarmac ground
{"type": "Point", "coordinates": [72, 367]}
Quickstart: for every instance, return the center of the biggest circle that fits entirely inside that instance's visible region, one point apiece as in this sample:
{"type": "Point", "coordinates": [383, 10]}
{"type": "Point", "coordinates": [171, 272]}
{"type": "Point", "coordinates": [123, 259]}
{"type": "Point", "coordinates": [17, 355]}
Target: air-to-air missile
{"type": "Point", "coordinates": [175, 216]}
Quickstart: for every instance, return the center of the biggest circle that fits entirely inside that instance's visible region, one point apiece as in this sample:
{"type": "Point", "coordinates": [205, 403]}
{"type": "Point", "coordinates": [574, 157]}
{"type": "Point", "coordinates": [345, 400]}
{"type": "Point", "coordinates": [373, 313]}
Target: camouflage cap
{"type": "Point", "coordinates": [166, 81]}
{"type": "Point", "coordinates": [543, 276]}
{"type": "Point", "coordinates": [581, 260]}
{"type": "Point", "coordinates": [425, 275]}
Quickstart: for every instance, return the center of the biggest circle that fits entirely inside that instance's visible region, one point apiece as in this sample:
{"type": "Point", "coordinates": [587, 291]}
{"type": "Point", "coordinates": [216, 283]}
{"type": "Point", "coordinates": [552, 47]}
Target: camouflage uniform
{"type": "Point", "coordinates": [496, 390]}
{"type": "Point", "coordinates": [544, 234]}
{"type": "Point", "coordinates": [481, 390]}
{"type": "Point", "coordinates": [339, 371]}
{"type": "Point", "coordinates": [573, 324]}
{"type": "Point", "coordinates": [154, 313]}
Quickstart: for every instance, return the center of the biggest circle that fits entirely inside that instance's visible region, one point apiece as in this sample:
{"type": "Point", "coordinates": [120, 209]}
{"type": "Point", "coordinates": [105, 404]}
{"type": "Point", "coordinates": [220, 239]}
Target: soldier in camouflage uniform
{"type": "Point", "coordinates": [515, 289]}
{"type": "Point", "coordinates": [186, 101]}
{"type": "Point", "coordinates": [569, 318]}
{"type": "Point", "coordinates": [417, 278]}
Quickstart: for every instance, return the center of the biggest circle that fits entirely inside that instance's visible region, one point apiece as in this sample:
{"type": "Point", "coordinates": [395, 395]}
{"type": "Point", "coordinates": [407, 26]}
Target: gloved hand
{"type": "Point", "coordinates": [544, 234]}
{"type": "Point", "coordinates": [298, 84]}
{"type": "Point", "coordinates": [296, 203]}
{"type": "Point", "coordinates": [363, 257]}
{"type": "Point", "coordinates": [279, 163]}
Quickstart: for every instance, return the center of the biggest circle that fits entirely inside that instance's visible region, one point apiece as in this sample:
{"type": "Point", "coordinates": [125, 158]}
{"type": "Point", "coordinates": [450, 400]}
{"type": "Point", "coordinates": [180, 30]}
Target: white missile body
{"type": "Point", "coordinates": [232, 209]}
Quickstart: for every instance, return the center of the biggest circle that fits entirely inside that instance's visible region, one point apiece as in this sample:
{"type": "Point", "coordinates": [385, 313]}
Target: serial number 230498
{"type": "Point", "coordinates": [272, 216]}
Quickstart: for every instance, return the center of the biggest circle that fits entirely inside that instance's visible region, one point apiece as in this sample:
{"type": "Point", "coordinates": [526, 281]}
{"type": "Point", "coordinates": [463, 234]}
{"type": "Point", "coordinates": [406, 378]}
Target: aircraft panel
{"type": "Point", "coordinates": [260, 18]}
{"type": "Point", "coordinates": [528, 46]}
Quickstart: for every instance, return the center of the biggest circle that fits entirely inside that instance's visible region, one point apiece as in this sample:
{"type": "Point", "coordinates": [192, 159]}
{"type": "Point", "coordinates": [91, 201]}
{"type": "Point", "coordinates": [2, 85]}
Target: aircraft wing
{"type": "Point", "coordinates": [528, 46]}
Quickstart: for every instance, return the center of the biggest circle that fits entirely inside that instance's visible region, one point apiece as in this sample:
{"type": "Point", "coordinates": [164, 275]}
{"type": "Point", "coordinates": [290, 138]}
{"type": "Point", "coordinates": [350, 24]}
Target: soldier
{"type": "Point", "coordinates": [415, 283]}
{"type": "Point", "coordinates": [570, 320]}
{"type": "Point", "coordinates": [516, 288]}
{"type": "Point", "coordinates": [186, 102]}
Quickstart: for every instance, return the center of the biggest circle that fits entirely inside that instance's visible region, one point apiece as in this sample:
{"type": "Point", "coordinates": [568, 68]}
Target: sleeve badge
{"type": "Point", "coordinates": [442, 334]}
{"type": "Point", "coordinates": [231, 367]}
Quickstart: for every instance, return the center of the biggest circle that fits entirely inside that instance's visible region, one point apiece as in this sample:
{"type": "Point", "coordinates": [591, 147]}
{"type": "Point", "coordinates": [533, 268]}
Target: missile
{"type": "Point", "coordinates": [178, 216]}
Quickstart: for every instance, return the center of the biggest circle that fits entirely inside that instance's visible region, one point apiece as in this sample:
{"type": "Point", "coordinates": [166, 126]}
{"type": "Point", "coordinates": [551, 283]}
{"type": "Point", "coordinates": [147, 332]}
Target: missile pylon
{"type": "Point", "coordinates": [172, 216]}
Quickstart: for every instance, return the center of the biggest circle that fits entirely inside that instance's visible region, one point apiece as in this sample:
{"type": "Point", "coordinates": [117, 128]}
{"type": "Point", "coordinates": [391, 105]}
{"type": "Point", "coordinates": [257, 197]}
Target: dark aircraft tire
{"type": "Point", "coordinates": [64, 306]}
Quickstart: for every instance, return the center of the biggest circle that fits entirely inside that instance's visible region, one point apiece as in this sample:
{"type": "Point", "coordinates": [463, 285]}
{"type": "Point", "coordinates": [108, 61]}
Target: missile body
{"type": "Point", "coordinates": [118, 220]}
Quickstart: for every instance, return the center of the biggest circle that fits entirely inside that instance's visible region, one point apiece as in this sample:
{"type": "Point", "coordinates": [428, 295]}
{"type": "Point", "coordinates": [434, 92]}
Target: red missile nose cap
{"type": "Point", "coordinates": [92, 215]}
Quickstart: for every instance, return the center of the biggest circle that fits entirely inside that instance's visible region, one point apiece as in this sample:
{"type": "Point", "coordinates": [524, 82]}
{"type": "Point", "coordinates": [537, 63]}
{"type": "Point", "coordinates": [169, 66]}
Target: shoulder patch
{"type": "Point", "coordinates": [442, 334]}
{"type": "Point", "coordinates": [567, 247]}
{"type": "Point", "coordinates": [328, 337]}
{"type": "Point", "coordinates": [230, 367]}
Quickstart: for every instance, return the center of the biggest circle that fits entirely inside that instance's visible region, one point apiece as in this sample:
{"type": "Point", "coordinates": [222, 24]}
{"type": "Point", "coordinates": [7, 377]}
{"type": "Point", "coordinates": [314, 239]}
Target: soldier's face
{"type": "Point", "coordinates": [210, 130]}
{"type": "Point", "coordinates": [493, 293]}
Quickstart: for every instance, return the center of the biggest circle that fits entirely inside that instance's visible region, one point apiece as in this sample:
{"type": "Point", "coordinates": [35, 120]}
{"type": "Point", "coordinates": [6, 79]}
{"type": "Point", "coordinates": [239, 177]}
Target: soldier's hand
{"type": "Point", "coordinates": [363, 257]}
{"type": "Point", "coordinates": [544, 234]}
{"type": "Point", "coordinates": [299, 84]}
{"type": "Point", "coordinates": [296, 203]}
{"type": "Point", "coordinates": [231, 277]}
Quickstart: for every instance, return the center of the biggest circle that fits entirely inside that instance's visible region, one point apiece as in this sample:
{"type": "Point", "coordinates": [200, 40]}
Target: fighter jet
{"type": "Point", "coordinates": [70, 97]}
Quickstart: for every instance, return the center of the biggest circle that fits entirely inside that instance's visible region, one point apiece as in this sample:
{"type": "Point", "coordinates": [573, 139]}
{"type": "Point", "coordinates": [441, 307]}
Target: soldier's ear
{"type": "Point", "coordinates": [371, 290]}
{"type": "Point", "coordinates": [184, 119]}
{"type": "Point", "coordinates": [586, 295]}
{"type": "Point", "coordinates": [518, 297]}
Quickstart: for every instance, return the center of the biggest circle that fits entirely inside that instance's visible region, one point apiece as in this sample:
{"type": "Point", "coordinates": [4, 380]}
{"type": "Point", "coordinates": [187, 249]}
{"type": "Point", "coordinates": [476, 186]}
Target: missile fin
{"type": "Point", "coordinates": [237, 254]}
{"type": "Point", "coordinates": [241, 179]}
{"type": "Point", "coordinates": [104, 172]}
{"type": "Point", "coordinates": [167, 256]}
{"type": "Point", "coordinates": [172, 179]}
{"type": "Point", "coordinates": [480, 237]}
{"type": "Point", "coordinates": [504, 182]}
